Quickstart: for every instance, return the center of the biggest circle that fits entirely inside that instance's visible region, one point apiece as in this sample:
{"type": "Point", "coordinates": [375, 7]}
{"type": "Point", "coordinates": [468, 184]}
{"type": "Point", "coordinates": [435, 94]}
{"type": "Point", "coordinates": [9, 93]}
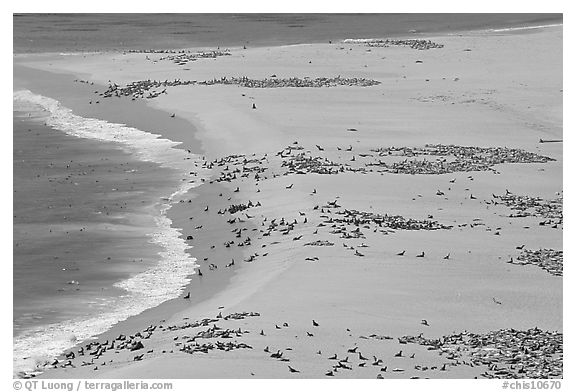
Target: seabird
{"type": "Point", "coordinates": [289, 186]}
{"type": "Point", "coordinates": [447, 256]}
{"type": "Point", "coordinates": [421, 254]}
{"type": "Point", "coordinates": [314, 323]}
{"type": "Point", "coordinates": [520, 247]}
{"type": "Point", "coordinates": [425, 322]}
{"type": "Point", "coordinates": [253, 106]}
{"type": "Point", "coordinates": [330, 374]}
{"type": "Point", "coordinates": [398, 354]}
{"type": "Point", "coordinates": [292, 370]}
{"type": "Point", "coordinates": [187, 296]}
{"type": "Point", "coordinates": [319, 148]}
{"type": "Point", "coordinates": [401, 253]}
{"type": "Point", "coordinates": [173, 115]}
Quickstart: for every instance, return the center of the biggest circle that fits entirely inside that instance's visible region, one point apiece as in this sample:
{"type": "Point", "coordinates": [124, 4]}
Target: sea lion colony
{"type": "Point", "coordinates": [138, 89]}
{"type": "Point", "coordinates": [550, 260]}
{"type": "Point", "coordinates": [395, 222]}
{"type": "Point", "coordinates": [184, 58]}
{"type": "Point", "coordinates": [452, 158]}
{"type": "Point", "coordinates": [505, 353]}
{"type": "Point", "coordinates": [141, 88]}
{"type": "Point", "coordinates": [347, 222]}
{"type": "Point", "coordinates": [292, 82]}
{"type": "Point", "coordinates": [419, 44]}
{"type": "Point", "coordinates": [449, 159]}
{"type": "Point", "coordinates": [508, 353]}
{"type": "Point", "coordinates": [182, 55]}
{"type": "Point", "coordinates": [160, 51]}
{"type": "Point", "coordinates": [523, 206]}
{"type": "Point", "coordinates": [498, 354]}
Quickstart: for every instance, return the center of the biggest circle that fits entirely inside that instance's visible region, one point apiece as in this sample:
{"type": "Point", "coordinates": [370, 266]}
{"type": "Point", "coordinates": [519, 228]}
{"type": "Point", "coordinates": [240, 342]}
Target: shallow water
{"type": "Point", "coordinates": [92, 243]}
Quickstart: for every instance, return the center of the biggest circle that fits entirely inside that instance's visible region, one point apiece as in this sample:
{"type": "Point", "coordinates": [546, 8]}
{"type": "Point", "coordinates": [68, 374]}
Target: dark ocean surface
{"type": "Point", "coordinates": [34, 33]}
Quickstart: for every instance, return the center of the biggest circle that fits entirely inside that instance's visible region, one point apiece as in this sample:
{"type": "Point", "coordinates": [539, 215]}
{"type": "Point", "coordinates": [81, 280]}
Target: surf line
{"type": "Point", "coordinates": [145, 290]}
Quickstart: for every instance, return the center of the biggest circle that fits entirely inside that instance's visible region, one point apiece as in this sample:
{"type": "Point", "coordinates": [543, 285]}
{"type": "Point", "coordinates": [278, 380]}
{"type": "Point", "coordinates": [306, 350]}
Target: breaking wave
{"type": "Point", "coordinates": [163, 281]}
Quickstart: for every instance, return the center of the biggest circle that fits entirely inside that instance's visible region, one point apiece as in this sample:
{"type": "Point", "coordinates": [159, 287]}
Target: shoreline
{"type": "Point", "coordinates": [410, 30]}
{"type": "Point", "coordinates": [152, 267]}
{"type": "Point", "coordinates": [235, 291]}
{"type": "Point", "coordinates": [65, 286]}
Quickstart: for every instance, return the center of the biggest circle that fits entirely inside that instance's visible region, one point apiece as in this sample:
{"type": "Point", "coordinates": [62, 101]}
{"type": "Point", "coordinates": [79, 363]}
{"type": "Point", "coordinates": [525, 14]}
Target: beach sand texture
{"type": "Point", "coordinates": [353, 296]}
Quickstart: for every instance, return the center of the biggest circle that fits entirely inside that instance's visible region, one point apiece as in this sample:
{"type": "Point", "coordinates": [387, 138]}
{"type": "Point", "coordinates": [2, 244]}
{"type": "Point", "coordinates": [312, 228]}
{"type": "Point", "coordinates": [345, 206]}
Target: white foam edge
{"type": "Point", "coordinates": [144, 290]}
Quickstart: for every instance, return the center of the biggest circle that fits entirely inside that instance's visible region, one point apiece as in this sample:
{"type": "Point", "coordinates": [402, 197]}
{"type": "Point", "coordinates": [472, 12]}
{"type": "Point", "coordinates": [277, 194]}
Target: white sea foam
{"type": "Point", "coordinates": [148, 289]}
{"type": "Point", "coordinates": [525, 28]}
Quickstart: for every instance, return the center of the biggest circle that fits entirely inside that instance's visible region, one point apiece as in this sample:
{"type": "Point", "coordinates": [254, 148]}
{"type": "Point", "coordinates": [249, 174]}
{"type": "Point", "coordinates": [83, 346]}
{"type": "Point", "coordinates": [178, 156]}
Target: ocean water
{"type": "Point", "coordinates": [35, 33]}
{"type": "Point", "coordinates": [86, 255]}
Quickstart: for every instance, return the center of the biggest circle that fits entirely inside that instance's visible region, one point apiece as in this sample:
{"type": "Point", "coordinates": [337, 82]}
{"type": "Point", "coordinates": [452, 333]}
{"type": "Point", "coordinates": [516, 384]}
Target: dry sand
{"type": "Point", "coordinates": [505, 91]}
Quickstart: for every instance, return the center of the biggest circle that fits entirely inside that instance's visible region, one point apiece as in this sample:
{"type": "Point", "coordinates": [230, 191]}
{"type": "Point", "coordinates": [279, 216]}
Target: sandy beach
{"type": "Point", "coordinates": [385, 219]}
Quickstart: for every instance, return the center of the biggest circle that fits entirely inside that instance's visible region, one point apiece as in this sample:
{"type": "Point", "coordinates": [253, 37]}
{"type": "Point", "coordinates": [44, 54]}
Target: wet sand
{"type": "Point", "coordinates": [298, 305]}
